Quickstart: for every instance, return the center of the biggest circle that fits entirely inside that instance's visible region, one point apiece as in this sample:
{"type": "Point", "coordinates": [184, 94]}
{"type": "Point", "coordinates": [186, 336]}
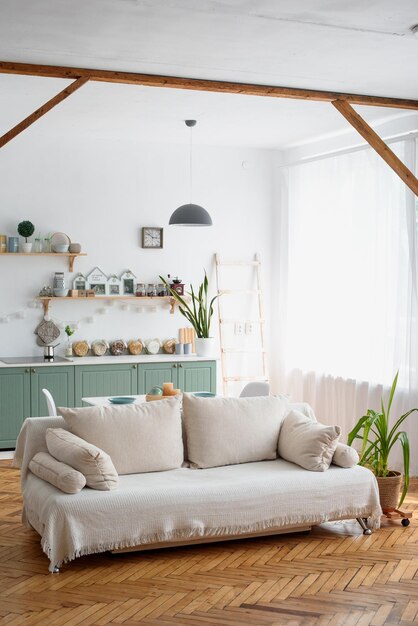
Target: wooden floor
{"type": "Point", "coordinates": [334, 576]}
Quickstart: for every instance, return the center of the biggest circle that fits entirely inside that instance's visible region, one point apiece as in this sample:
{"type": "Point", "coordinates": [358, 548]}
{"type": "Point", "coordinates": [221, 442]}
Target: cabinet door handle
{"type": "Point", "coordinates": [180, 364]}
{"type": "Point", "coordinates": [33, 370]}
{"type": "Point", "coordinates": [27, 370]}
{"type": "Point", "coordinates": [134, 367]}
{"type": "Point", "coordinates": [174, 364]}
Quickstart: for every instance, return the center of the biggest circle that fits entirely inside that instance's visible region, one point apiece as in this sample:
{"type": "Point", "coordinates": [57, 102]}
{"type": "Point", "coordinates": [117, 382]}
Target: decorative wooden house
{"type": "Point", "coordinates": [114, 286]}
{"type": "Point", "coordinates": [80, 282]}
{"type": "Point", "coordinates": [97, 281]}
{"type": "Point", "coordinates": [128, 283]}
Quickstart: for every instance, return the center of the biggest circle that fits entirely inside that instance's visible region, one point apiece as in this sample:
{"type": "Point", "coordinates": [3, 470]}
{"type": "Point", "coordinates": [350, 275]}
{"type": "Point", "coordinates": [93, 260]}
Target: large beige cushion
{"type": "Point", "coordinates": [226, 431]}
{"type": "Point", "coordinates": [92, 462]}
{"type": "Point", "coordinates": [59, 474]}
{"type": "Point", "coordinates": [306, 443]}
{"type": "Point", "coordinates": [138, 438]}
{"type": "Point", "coordinates": [345, 456]}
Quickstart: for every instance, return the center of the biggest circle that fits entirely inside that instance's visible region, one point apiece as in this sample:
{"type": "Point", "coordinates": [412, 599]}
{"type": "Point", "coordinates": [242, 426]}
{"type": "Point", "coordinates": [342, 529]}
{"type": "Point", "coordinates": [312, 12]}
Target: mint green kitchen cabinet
{"type": "Point", "coordinates": [58, 380]}
{"type": "Point", "coordinates": [197, 376]}
{"type": "Point", "coordinates": [14, 403]}
{"type": "Point", "coordinates": [155, 374]}
{"type": "Point", "coordinates": [192, 376]}
{"type": "Point", "coordinates": [120, 379]}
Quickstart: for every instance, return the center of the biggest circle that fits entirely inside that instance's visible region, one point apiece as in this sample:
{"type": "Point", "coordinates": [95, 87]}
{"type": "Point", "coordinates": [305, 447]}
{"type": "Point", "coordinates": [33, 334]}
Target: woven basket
{"type": "Point", "coordinates": [389, 490]}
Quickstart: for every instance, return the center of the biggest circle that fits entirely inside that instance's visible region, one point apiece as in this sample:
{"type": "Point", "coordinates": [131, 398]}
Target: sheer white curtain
{"type": "Point", "coordinates": [347, 301]}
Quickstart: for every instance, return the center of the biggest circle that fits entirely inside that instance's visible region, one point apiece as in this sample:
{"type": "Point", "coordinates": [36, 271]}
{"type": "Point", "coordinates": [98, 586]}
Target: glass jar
{"type": "Point", "coordinates": [162, 290]}
{"type": "Point", "coordinates": [140, 290]}
{"type": "Point", "coordinates": [47, 244]}
{"type": "Point", "coordinates": [152, 290]}
{"type": "Point", "coordinates": [38, 245]}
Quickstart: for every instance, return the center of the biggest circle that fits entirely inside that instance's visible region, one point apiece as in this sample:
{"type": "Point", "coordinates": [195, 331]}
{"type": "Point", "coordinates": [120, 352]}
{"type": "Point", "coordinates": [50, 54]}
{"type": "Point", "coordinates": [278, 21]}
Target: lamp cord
{"type": "Point", "coordinates": [191, 163]}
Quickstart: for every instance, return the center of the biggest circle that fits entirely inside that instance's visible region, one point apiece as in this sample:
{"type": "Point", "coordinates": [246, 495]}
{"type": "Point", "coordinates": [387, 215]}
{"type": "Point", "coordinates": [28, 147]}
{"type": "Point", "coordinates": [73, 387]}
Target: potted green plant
{"type": "Point", "coordinates": [198, 313]}
{"type": "Point", "coordinates": [69, 332]}
{"type": "Point", "coordinates": [26, 229]}
{"type": "Point", "coordinates": [378, 438]}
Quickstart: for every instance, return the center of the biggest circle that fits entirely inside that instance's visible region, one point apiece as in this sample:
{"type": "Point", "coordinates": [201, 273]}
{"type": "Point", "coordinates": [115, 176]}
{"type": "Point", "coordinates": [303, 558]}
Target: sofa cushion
{"type": "Point", "coordinates": [139, 437]}
{"type": "Point", "coordinates": [345, 456]}
{"type": "Point", "coordinates": [59, 474]}
{"type": "Point", "coordinates": [92, 462]}
{"type": "Point", "coordinates": [226, 431]}
{"type": "Point", "coordinates": [306, 443]}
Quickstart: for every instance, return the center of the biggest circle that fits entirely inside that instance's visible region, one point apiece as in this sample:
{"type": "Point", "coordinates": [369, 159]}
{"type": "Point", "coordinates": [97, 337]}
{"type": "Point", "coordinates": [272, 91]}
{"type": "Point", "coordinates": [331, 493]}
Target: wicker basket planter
{"type": "Point", "coordinates": [389, 490]}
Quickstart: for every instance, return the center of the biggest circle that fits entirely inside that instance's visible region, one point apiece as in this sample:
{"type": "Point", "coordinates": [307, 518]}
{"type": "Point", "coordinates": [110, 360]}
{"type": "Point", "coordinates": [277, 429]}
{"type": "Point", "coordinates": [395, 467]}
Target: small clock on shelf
{"type": "Point", "coordinates": [152, 237]}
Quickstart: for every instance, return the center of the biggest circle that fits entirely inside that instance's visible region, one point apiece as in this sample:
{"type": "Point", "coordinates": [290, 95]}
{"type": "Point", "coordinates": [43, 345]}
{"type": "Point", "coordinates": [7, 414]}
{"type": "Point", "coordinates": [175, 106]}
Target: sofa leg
{"type": "Point", "coordinates": [366, 531]}
{"type": "Point", "coordinates": [56, 570]}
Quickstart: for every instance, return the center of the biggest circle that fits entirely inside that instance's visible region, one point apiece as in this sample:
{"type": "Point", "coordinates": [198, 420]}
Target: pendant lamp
{"type": "Point", "coordinates": [190, 214]}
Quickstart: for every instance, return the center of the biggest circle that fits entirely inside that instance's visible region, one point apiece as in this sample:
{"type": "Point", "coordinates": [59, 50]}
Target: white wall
{"type": "Point", "coordinates": [101, 192]}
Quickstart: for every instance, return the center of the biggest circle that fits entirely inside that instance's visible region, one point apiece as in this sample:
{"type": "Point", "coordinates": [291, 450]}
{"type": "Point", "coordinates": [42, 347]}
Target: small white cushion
{"type": "Point", "coordinates": [345, 456]}
{"type": "Point", "coordinates": [59, 474]}
{"type": "Point", "coordinates": [138, 437]}
{"type": "Point", "coordinates": [306, 443]}
{"type": "Point", "coordinates": [227, 431]}
{"type": "Point", "coordinates": [92, 462]}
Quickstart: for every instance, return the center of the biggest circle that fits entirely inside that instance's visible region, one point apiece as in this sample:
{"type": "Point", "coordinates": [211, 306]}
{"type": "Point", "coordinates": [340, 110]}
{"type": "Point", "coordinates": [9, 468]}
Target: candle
{"type": "Point", "coordinates": [168, 389]}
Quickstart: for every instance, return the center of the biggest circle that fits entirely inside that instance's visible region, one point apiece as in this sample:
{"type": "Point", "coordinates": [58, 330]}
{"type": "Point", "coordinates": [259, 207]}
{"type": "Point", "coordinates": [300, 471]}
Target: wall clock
{"type": "Point", "coordinates": [152, 237]}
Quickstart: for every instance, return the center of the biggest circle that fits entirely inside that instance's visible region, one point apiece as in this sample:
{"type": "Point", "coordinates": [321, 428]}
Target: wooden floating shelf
{"type": "Point", "coordinates": [46, 300]}
{"type": "Point", "coordinates": [70, 255]}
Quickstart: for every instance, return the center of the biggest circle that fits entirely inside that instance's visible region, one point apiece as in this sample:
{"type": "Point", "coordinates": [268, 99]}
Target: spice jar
{"type": "Point", "coordinates": [162, 290]}
{"type": "Point", "coordinates": [99, 347]}
{"type": "Point", "coordinates": [152, 290]}
{"type": "Point", "coordinates": [140, 290]}
{"type": "Point", "coordinates": [135, 346]}
{"type": "Point", "coordinates": [117, 347]}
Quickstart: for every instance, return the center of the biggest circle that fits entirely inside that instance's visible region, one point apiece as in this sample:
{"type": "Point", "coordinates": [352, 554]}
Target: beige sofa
{"type": "Point", "coordinates": [186, 505]}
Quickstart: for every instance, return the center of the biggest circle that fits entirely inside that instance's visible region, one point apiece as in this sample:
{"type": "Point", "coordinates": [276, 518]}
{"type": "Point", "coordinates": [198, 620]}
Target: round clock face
{"type": "Point", "coordinates": [152, 238]}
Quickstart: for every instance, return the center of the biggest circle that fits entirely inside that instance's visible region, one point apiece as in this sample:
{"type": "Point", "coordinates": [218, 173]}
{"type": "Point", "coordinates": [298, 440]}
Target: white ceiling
{"type": "Point", "coordinates": [326, 44]}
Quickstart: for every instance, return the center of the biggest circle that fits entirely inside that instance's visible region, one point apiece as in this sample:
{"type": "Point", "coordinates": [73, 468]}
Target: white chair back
{"type": "Point", "coordinates": [52, 409]}
{"type": "Point", "coordinates": [255, 389]}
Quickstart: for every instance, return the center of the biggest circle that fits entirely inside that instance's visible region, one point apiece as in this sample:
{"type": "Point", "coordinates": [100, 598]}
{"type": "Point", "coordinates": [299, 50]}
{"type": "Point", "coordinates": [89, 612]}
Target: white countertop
{"type": "Point", "coordinates": [111, 360]}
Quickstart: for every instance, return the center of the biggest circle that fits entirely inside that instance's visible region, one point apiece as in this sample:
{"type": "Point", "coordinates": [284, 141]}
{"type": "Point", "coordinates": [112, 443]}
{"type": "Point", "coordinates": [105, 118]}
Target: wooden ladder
{"type": "Point", "coordinates": [258, 322]}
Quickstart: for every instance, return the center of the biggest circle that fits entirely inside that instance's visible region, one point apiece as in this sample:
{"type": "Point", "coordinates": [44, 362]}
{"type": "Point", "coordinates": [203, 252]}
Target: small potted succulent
{"type": "Point", "coordinates": [26, 229]}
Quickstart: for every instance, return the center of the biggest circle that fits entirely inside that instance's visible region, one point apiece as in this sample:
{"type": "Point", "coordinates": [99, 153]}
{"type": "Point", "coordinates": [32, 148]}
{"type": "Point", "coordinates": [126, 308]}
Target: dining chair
{"type": "Point", "coordinates": [255, 389]}
{"type": "Point", "coordinates": [52, 409]}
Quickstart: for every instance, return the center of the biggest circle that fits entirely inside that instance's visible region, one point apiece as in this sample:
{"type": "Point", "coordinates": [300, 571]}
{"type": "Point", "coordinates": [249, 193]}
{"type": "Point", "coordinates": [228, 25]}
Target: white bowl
{"type": "Point", "coordinates": [60, 247]}
{"type": "Point", "coordinates": [60, 293]}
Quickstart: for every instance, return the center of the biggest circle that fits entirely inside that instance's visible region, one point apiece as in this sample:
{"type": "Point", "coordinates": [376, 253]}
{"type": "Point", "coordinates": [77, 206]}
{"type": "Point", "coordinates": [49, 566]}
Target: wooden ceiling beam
{"type": "Point", "coordinates": [33, 117]}
{"type": "Point", "coordinates": [377, 144]}
{"type": "Point", "coordinates": [149, 80]}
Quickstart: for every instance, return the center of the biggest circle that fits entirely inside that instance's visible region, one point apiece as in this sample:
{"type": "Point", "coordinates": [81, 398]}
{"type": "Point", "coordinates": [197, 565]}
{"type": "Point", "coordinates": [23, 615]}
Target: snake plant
{"type": "Point", "coordinates": [200, 311]}
{"type": "Point", "coordinates": [378, 439]}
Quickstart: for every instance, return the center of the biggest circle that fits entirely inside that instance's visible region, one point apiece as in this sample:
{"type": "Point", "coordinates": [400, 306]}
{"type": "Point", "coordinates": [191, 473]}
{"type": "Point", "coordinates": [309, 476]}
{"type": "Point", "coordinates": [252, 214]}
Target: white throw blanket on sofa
{"type": "Point", "coordinates": [184, 504]}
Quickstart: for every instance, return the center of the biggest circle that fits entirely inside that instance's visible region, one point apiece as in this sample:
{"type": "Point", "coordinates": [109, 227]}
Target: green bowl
{"type": "Point", "coordinates": [122, 400]}
{"type": "Point", "coordinates": [156, 391]}
{"type": "Point", "coordinates": [204, 394]}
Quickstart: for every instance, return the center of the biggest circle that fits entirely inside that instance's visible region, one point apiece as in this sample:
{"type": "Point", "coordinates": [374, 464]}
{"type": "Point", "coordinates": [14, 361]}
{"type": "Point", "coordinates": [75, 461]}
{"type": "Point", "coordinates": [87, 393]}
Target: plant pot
{"type": "Point", "coordinates": [26, 247]}
{"type": "Point", "coordinates": [389, 490]}
{"type": "Point", "coordinates": [206, 346]}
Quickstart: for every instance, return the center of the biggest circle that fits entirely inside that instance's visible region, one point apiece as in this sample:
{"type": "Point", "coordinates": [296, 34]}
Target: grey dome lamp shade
{"type": "Point", "coordinates": [190, 214]}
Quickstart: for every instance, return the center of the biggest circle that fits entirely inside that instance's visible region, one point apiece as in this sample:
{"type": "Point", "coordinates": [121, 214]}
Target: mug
{"type": "Point", "coordinates": [13, 244]}
{"type": "Point", "coordinates": [179, 348]}
{"type": "Point", "coordinates": [187, 348]}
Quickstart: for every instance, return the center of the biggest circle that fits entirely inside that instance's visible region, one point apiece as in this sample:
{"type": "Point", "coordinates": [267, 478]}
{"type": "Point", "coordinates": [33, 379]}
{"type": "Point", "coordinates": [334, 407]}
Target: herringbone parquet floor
{"type": "Point", "coordinates": [333, 577]}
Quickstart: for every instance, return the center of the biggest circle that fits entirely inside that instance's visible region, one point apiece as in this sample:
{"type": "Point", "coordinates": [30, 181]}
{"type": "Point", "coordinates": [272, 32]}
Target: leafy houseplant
{"type": "Point", "coordinates": [198, 313]}
{"type": "Point", "coordinates": [26, 229]}
{"type": "Point", "coordinates": [69, 332]}
{"type": "Point", "coordinates": [378, 439]}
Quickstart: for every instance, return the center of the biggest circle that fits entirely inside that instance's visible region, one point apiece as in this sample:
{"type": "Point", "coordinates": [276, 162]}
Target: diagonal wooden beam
{"type": "Point", "coordinates": [377, 144]}
{"type": "Point", "coordinates": [197, 84]}
{"type": "Point", "coordinates": [16, 130]}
